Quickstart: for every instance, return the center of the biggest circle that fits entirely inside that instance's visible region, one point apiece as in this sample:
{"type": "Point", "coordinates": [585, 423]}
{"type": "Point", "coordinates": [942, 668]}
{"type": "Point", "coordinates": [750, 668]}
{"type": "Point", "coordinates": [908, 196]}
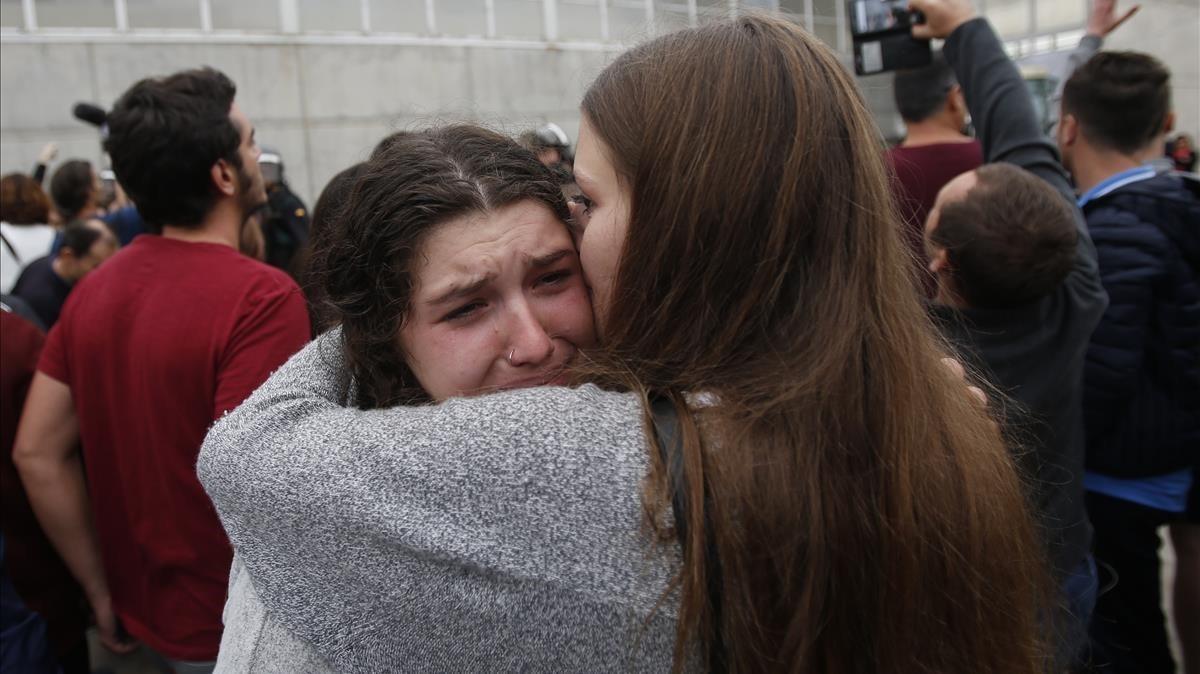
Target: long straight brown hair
{"type": "Point", "coordinates": [865, 511]}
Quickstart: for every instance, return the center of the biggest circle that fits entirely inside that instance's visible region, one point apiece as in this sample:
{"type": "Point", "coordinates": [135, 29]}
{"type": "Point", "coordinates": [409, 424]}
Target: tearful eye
{"type": "Point", "coordinates": [464, 311]}
{"type": "Point", "coordinates": [554, 278]}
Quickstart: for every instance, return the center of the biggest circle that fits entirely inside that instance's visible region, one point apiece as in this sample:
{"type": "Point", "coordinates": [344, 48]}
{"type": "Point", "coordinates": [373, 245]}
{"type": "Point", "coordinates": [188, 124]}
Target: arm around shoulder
{"type": "Point", "coordinates": [293, 459]}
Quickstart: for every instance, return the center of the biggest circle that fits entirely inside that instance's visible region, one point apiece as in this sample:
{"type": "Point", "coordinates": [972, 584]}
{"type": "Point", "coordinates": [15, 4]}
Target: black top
{"type": "Point", "coordinates": [43, 290]}
{"type": "Point", "coordinates": [1142, 383]}
{"type": "Point", "coordinates": [1034, 353]}
{"type": "Point", "coordinates": [285, 227]}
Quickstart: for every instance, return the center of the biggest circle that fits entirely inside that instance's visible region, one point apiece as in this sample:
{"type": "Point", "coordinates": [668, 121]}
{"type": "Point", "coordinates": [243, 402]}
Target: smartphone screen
{"type": "Point", "coordinates": [878, 16]}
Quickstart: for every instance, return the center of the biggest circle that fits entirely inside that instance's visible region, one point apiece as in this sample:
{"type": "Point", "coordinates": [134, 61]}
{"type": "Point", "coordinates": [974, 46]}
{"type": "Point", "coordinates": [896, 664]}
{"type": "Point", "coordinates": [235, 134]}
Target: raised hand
{"type": "Point", "coordinates": [1103, 18]}
{"type": "Point", "coordinates": [941, 17]}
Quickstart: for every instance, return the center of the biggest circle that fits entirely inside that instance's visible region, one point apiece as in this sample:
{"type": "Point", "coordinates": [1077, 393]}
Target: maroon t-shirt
{"type": "Point", "coordinates": [921, 172]}
{"type": "Point", "coordinates": [157, 344]}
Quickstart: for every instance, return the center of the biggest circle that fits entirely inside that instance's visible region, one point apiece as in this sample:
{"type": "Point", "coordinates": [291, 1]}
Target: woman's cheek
{"type": "Point", "coordinates": [570, 315]}
{"type": "Point", "coordinates": [465, 355]}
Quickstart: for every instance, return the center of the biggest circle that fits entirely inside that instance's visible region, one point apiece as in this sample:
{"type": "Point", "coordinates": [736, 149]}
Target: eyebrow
{"type": "Point", "coordinates": [476, 283]}
{"type": "Point", "coordinates": [549, 259]}
{"type": "Point", "coordinates": [459, 290]}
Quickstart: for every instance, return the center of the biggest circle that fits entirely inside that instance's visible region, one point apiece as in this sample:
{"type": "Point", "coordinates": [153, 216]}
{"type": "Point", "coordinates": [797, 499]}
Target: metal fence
{"type": "Point", "coordinates": [1028, 26]}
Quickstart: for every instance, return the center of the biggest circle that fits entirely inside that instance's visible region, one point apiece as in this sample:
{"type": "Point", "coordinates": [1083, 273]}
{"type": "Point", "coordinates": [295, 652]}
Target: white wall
{"type": "Point", "coordinates": [322, 107]}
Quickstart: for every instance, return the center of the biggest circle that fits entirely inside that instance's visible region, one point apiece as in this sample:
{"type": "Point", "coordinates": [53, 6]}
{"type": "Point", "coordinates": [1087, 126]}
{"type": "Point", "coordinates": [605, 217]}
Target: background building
{"type": "Point", "coordinates": [323, 80]}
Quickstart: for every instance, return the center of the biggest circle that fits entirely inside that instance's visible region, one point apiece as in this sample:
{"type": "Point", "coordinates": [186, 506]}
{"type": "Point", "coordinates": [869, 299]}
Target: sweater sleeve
{"type": "Point", "coordinates": [351, 520]}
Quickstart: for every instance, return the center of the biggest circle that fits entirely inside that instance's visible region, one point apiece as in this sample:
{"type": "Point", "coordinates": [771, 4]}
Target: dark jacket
{"type": "Point", "coordinates": [1035, 352]}
{"type": "Point", "coordinates": [1142, 393]}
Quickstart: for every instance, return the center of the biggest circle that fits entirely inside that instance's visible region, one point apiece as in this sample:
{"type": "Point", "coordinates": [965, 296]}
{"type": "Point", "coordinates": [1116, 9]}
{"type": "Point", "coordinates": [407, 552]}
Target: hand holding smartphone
{"type": "Point", "coordinates": [882, 34]}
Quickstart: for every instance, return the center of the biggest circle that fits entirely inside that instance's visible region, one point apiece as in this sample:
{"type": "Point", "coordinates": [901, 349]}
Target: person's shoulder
{"type": "Point", "coordinates": [256, 278]}
{"type": "Point", "coordinates": [263, 273]}
{"type": "Point", "coordinates": [35, 276]}
{"type": "Point", "coordinates": [1144, 208]}
{"type": "Point", "coordinates": [584, 414]}
{"type": "Point", "coordinates": [18, 331]}
{"type": "Point", "coordinates": [588, 399]}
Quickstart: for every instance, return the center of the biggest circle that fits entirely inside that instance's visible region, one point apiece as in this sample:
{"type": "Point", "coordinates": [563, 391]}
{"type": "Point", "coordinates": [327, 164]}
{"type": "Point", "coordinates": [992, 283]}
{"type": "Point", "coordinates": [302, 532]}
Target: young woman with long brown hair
{"type": "Point", "coordinates": [847, 507]}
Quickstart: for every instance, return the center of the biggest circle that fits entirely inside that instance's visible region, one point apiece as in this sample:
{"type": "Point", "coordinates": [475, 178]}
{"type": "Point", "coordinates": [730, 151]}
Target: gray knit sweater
{"type": "Point", "coordinates": [499, 533]}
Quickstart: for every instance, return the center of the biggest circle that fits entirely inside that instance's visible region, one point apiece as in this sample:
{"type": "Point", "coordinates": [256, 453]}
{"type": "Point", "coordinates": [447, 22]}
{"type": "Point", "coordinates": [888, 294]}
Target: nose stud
{"type": "Point", "coordinates": [510, 356]}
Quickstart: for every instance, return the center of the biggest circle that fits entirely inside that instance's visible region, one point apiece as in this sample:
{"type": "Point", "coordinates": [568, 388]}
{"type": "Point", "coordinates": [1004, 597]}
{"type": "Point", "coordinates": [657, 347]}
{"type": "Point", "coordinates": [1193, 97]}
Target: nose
{"type": "Point", "coordinates": [528, 342]}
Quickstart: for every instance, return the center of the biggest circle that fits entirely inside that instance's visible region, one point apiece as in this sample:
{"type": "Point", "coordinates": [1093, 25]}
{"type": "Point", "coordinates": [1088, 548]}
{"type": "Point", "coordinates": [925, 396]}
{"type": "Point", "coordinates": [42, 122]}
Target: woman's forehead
{"type": "Point", "coordinates": [480, 245]}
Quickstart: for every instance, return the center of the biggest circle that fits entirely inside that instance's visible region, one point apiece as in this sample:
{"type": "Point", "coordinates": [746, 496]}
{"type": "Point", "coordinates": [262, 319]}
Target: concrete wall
{"type": "Point", "coordinates": [322, 107]}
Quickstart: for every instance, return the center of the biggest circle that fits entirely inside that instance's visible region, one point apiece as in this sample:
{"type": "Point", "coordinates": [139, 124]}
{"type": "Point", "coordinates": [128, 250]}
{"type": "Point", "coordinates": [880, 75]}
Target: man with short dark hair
{"type": "Point", "coordinates": [1142, 382]}
{"type": "Point", "coordinates": [934, 150]}
{"type": "Point", "coordinates": [151, 348]}
{"type": "Point", "coordinates": [46, 282]}
{"type": "Point", "coordinates": [1019, 293]}
{"type": "Point", "coordinates": [75, 190]}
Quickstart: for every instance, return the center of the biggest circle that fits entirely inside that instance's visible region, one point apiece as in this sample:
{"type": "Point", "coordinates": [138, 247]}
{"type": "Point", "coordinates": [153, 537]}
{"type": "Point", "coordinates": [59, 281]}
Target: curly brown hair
{"type": "Point", "coordinates": [23, 201]}
{"type": "Point", "coordinates": [363, 264]}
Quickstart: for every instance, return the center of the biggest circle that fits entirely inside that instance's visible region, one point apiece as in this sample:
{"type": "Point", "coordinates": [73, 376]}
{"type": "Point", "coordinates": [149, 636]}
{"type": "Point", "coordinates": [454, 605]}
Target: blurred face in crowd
{"type": "Point", "coordinates": [74, 267]}
{"type": "Point", "coordinates": [498, 303]}
{"type": "Point", "coordinates": [252, 193]}
{"type": "Point", "coordinates": [601, 216]}
{"type": "Point", "coordinates": [97, 189]}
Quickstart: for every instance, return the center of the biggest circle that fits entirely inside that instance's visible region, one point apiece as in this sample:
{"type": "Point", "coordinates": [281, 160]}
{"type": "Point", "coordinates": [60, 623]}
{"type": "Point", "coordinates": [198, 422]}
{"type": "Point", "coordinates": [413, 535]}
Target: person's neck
{"type": "Point", "coordinates": [222, 226]}
{"type": "Point", "coordinates": [933, 132]}
{"type": "Point", "coordinates": [1091, 166]}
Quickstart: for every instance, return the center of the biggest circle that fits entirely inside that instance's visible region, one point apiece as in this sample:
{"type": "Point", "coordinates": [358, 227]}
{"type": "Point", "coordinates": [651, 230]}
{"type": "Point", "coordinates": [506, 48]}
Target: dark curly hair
{"type": "Point", "coordinates": [164, 135]}
{"type": "Point", "coordinates": [364, 262]}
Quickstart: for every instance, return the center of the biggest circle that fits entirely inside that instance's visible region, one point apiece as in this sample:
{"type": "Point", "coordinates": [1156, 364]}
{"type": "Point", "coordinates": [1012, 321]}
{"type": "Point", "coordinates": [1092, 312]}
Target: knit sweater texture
{"type": "Point", "coordinates": [497, 533]}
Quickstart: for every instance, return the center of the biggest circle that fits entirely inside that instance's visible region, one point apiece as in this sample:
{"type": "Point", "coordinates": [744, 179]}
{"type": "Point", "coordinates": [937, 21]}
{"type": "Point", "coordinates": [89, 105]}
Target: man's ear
{"type": "Point", "coordinates": [224, 177]}
{"type": "Point", "coordinates": [1068, 130]}
{"type": "Point", "coordinates": [956, 100]}
{"type": "Point", "coordinates": [1169, 123]}
{"type": "Point", "coordinates": [939, 261]}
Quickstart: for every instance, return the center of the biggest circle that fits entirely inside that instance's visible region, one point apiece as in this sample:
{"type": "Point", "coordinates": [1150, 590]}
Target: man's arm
{"type": "Point", "coordinates": [1000, 103]}
{"type": "Point", "coordinates": [46, 453]}
{"type": "Point", "coordinates": [47, 154]}
{"type": "Point", "coordinates": [1005, 121]}
{"type": "Point", "coordinates": [1102, 20]}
